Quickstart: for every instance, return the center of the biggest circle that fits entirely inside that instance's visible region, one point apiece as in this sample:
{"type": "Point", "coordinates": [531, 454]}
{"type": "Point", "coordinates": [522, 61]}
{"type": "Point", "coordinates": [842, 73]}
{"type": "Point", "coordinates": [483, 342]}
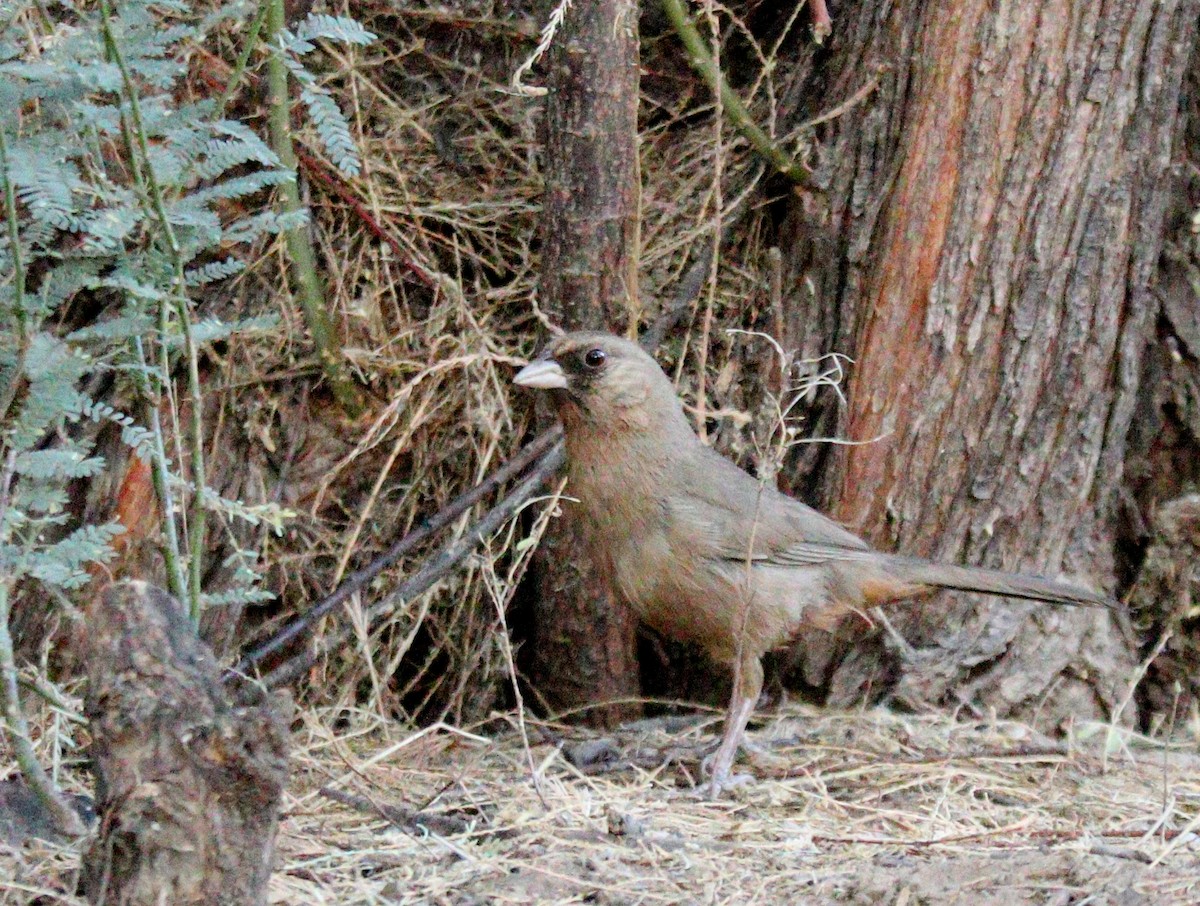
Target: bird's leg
{"type": "Point", "coordinates": [747, 684]}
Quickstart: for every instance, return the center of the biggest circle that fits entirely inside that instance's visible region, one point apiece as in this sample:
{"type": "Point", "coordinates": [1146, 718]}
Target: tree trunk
{"type": "Point", "coordinates": [996, 208]}
{"type": "Point", "coordinates": [188, 785]}
{"type": "Point", "coordinates": [1160, 510]}
{"type": "Point", "coordinates": [583, 647]}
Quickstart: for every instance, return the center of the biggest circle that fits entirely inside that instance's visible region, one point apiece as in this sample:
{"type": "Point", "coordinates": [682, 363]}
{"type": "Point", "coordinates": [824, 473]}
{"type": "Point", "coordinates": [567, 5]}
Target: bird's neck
{"type": "Point", "coordinates": [619, 469]}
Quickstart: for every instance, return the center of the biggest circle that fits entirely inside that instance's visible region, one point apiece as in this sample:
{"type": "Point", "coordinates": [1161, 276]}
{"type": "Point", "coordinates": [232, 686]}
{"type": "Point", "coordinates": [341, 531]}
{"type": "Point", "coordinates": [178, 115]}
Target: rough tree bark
{"type": "Point", "coordinates": [583, 644]}
{"type": "Point", "coordinates": [1160, 510]}
{"type": "Point", "coordinates": [1164, 601]}
{"type": "Point", "coordinates": [188, 786]}
{"type": "Point", "coordinates": [996, 215]}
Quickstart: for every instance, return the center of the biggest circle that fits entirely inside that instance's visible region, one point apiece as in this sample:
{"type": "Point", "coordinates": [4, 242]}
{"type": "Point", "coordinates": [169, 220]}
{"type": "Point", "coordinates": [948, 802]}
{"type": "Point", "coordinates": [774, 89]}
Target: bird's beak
{"type": "Point", "coordinates": [542, 375]}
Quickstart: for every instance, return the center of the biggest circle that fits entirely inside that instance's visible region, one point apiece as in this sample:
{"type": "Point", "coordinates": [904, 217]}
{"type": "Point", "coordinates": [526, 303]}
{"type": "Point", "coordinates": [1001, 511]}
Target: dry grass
{"type": "Point", "coordinates": [431, 273]}
{"type": "Point", "coordinates": [867, 808]}
{"type": "Point", "coordinates": [855, 808]}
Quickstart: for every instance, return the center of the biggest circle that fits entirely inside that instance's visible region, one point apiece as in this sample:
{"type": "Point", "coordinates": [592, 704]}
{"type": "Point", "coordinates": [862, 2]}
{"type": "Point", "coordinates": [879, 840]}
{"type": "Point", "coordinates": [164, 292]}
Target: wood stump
{"type": "Point", "coordinates": [188, 784]}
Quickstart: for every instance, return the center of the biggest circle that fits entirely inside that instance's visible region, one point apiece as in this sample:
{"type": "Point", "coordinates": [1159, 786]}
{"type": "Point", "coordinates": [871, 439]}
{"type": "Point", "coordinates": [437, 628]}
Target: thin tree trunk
{"type": "Point", "coordinates": [583, 647]}
{"type": "Point", "coordinates": [997, 213]}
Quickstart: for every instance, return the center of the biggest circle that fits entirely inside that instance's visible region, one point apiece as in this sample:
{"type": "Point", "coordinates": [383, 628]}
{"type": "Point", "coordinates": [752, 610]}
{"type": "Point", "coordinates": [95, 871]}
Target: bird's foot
{"type": "Point", "coordinates": [711, 789]}
{"type": "Point", "coordinates": [720, 778]}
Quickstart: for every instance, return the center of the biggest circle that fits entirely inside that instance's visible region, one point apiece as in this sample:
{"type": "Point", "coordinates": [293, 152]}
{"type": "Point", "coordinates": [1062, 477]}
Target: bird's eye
{"type": "Point", "coordinates": [594, 358]}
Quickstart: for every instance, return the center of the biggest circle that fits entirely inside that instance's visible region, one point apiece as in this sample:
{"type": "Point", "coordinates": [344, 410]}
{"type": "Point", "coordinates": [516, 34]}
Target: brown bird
{"type": "Point", "coordinates": [700, 549]}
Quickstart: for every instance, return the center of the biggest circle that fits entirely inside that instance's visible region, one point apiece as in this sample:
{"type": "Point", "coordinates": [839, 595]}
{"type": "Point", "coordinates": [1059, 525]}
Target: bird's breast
{"type": "Point", "coordinates": [624, 523]}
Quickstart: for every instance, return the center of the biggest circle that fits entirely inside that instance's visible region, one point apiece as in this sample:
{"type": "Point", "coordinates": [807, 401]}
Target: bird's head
{"type": "Point", "coordinates": [603, 381]}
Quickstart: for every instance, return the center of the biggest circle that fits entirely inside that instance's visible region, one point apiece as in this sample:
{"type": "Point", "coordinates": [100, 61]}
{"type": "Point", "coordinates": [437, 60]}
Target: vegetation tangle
{"type": "Point", "coordinates": [267, 271]}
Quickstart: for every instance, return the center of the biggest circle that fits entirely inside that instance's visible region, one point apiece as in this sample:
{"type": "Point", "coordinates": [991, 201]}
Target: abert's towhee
{"type": "Point", "coordinates": [700, 549]}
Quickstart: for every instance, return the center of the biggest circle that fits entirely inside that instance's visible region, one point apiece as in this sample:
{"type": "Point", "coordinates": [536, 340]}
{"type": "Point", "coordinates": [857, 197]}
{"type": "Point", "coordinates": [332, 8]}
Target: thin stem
{"type": "Point", "coordinates": [309, 290]}
{"type": "Point", "coordinates": [14, 237]}
{"type": "Point", "coordinates": [718, 204]}
{"type": "Point", "coordinates": [15, 724]}
{"type": "Point", "coordinates": [161, 475]}
{"type": "Point", "coordinates": [430, 572]}
{"type": "Point", "coordinates": [47, 693]}
{"type": "Point", "coordinates": [197, 514]}
{"type": "Point", "coordinates": [702, 61]}
{"type": "Point", "coordinates": [243, 58]}
{"type": "Point", "coordinates": [9, 392]}
{"type": "Point", "coordinates": [360, 579]}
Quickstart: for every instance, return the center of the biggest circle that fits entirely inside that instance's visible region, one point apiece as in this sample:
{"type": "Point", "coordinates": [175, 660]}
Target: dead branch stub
{"type": "Point", "coordinates": [188, 786]}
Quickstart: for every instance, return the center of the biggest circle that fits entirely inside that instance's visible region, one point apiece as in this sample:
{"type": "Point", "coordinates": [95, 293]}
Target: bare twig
{"type": "Point", "coordinates": [317, 171]}
{"type": "Point", "coordinates": [702, 61]}
{"type": "Point", "coordinates": [359, 580]}
{"type": "Point", "coordinates": [689, 289]}
{"type": "Point", "coordinates": [65, 818]}
{"type": "Point", "coordinates": [401, 816]}
{"type": "Point", "coordinates": [309, 289]}
{"type": "Point", "coordinates": [434, 569]}
{"type": "Point", "coordinates": [718, 202]}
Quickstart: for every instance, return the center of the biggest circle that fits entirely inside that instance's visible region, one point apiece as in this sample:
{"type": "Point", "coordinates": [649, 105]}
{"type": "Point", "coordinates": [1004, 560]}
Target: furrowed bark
{"type": "Point", "coordinates": [996, 209]}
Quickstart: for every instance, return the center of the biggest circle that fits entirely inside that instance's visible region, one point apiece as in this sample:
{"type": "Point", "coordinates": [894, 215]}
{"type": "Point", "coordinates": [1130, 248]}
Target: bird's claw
{"type": "Point", "coordinates": [719, 779]}
{"type": "Point", "coordinates": [712, 788]}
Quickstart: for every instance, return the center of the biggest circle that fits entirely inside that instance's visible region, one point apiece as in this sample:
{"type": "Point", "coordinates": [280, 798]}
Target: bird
{"type": "Point", "coordinates": [701, 550]}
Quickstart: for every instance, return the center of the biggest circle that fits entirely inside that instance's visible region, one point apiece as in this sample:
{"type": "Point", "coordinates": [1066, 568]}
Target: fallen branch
{"type": "Point", "coordinates": [547, 449]}
{"type": "Point", "coordinates": [407, 819]}
{"type": "Point", "coordinates": [433, 570]}
{"type": "Point", "coordinates": [358, 580]}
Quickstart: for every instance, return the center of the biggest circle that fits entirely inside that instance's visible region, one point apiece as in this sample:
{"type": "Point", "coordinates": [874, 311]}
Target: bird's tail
{"type": "Point", "coordinates": [911, 570]}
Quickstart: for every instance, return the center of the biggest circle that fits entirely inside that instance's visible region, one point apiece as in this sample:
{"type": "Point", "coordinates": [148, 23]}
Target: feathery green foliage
{"type": "Point", "coordinates": [332, 127]}
{"type": "Point", "coordinates": [120, 194]}
{"type": "Point", "coordinates": [111, 191]}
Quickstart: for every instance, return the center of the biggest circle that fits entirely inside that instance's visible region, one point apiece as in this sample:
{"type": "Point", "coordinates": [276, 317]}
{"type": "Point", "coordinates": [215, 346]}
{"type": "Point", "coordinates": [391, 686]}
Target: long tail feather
{"type": "Point", "coordinates": [991, 581]}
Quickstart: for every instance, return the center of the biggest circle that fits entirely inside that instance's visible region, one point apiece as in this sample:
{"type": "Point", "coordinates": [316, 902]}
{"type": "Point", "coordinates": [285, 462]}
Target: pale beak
{"type": "Point", "coordinates": [542, 375]}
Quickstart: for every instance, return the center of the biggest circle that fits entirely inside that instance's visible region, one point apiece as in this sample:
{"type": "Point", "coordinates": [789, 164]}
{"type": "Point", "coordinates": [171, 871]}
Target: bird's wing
{"type": "Point", "coordinates": [728, 515]}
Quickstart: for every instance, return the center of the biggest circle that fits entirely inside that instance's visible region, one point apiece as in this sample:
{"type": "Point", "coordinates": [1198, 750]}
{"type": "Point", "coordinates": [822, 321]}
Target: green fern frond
{"type": "Point", "coordinates": [62, 563]}
{"type": "Point", "coordinates": [140, 440]}
{"type": "Point", "coordinates": [225, 154]}
{"type": "Point", "coordinates": [248, 229]}
{"type": "Point", "coordinates": [64, 279]}
{"type": "Point", "coordinates": [53, 369]}
{"type": "Point", "coordinates": [241, 186]}
{"type": "Point", "coordinates": [127, 218]}
{"type": "Point", "coordinates": [122, 327]}
{"type": "Point", "coordinates": [317, 26]}
{"type": "Point", "coordinates": [239, 594]}
{"type": "Point", "coordinates": [39, 502]}
{"type": "Point", "coordinates": [66, 463]}
{"type": "Point", "coordinates": [269, 514]}
{"type": "Point", "coordinates": [214, 271]}
{"type": "Point", "coordinates": [212, 330]}
{"type": "Point", "coordinates": [333, 129]}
